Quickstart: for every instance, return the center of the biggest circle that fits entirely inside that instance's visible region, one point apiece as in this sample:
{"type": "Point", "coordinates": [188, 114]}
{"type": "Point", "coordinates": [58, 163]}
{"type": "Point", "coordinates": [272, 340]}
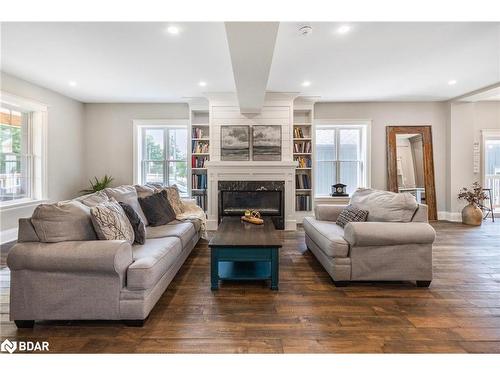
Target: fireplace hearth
{"type": "Point", "coordinates": [267, 197]}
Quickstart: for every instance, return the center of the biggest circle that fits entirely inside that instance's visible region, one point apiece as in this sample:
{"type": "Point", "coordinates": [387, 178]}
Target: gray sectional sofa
{"type": "Point", "coordinates": [395, 243]}
{"type": "Point", "coordinates": [94, 280]}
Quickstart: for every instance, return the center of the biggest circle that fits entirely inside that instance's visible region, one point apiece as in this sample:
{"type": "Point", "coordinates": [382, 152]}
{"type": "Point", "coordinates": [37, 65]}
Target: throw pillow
{"type": "Point", "coordinates": [349, 214]}
{"type": "Point", "coordinates": [157, 209]}
{"type": "Point", "coordinates": [111, 222]}
{"type": "Point", "coordinates": [127, 194]}
{"type": "Point", "coordinates": [63, 221]}
{"type": "Point", "coordinates": [136, 222]}
{"type": "Point", "coordinates": [93, 199]}
{"type": "Point", "coordinates": [175, 199]}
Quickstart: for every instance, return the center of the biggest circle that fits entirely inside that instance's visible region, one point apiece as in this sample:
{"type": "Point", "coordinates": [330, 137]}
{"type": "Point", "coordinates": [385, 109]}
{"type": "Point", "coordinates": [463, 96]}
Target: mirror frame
{"type": "Point", "coordinates": [426, 132]}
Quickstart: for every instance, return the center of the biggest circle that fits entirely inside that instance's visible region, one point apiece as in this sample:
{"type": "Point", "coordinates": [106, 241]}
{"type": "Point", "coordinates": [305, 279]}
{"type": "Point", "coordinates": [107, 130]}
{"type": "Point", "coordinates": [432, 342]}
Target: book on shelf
{"type": "Point", "coordinates": [303, 202]}
{"type": "Point", "coordinates": [201, 200]}
{"type": "Point", "coordinates": [198, 133]}
{"type": "Point", "coordinates": [199, 147]}
{"type": "Point", "coordinates": [198, 161]}
{"type": "Point", "coordinates": [298, 133]}
{"type": "Point", "coordinates": [304, 162]}
{"type": "Point", "coordinates": [302, 181]}
{"type": "Point", "coordinates": [199, 181]}
{"type": "Point", "coordinates": [302, 147]}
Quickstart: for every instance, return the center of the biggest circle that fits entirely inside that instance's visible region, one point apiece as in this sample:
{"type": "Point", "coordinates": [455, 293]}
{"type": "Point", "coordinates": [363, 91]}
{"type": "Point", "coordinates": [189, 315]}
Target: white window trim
{"type": "Point", "coordinates": [154, 123]}
{"type": "Point", "coordinates": [38, 179]}
{"type": "Point", "coordinates": [366, 140]}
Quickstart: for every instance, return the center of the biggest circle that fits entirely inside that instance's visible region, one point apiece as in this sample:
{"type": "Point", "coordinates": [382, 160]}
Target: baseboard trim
{"type": "Point", "coordinates": [450, 216]}
{"type": "Point", "coordinates": [8, 235]}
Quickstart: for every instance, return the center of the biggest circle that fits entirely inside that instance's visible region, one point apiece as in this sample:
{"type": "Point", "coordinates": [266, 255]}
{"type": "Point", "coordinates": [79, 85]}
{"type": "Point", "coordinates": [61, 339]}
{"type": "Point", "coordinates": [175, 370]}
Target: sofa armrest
{"type": "Point", "coordinates": [386, 233]}
{"type": "Point", "coordinates": [72, 256]}
{"type": "Point", "coordinates": [328, 212]}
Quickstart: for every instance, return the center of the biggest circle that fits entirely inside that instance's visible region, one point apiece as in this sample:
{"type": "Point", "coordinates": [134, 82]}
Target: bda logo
{"type": "Point", "coordinates": [8, 346]}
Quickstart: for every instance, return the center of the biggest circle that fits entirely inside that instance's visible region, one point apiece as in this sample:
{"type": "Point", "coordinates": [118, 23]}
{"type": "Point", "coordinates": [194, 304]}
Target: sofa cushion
{"type": "Point", "coordinates": [151, 261]}
{"type": "Point", "coordinates": [111, 223]}
{"type": "Point", "coordinates": [157, 209]}
{"type": "Point", "coordinates": [185, 231]}
{"type": "Point", "coordinates": [127, 194]}
{"type": "Point", "coordinates": [385, 205]}
{"type": "Point", "coordinates": [175, 199]}
{"type": "Point", "coordinates": [328, 236]}
{"type": "Point", "coordinates": [63, 221]}
{"type": "Point", "coordinates": [349, 214]}
{"type": "Point", "coordinates": [136, 222]}
{"type": "Point", "coordinates": [93, 199]}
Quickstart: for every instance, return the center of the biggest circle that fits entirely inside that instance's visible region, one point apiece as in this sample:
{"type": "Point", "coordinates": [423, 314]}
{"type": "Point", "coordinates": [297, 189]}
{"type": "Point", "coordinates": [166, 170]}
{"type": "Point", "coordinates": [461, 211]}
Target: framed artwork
{"type": "Point", "coordinates": [235, 142]}
{"type": "Point", "coordinates": [266, 144]}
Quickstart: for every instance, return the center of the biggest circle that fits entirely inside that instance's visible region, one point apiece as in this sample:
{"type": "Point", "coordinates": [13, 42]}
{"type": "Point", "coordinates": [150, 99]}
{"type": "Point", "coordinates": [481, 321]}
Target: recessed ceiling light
{"type": "Point", "coordinates": [202, 83]}
{"type": "Point", "coordinates": [174, 30]}
{"type": "Point", "coordinates": [344, 29]}
{"type": "Point", "coordinates": [72, 83]}
{"type": "Point", "coordinates": [306, 83]}
{"type": "Point", "coordinates": [452, 82]}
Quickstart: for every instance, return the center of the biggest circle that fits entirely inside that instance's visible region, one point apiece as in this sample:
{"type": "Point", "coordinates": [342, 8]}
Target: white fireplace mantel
{"type": "Point", "coordinates": [251, 171]}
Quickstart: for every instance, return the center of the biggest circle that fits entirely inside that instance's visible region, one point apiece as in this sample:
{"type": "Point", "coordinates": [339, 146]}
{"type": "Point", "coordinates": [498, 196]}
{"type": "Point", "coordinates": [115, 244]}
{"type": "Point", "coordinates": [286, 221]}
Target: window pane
{"type": "Point", "coordinates": [153, 144]}
{"type": "Point", "coordinates": [177, 144]}
{"type": "Point", "coordinates": [153, 172]}
{"type": "Point", "coordinates": [349, 144]}
{"type": "Point", "coordinates": [13, 161]}
{"type": "Point", "coordinates": [325, 144]}
{"type": "Point", "coordinates": [349, 175]}
{"type": "Point", "coordinates": [492, 169]}
{"type": "Point", "coordinates": [177, 174]}
{"type": "Point", "coordinates": [326, 176]}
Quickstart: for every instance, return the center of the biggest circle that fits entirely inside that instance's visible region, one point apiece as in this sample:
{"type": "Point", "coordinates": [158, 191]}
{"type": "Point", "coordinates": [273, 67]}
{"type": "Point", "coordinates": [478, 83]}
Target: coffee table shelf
{"type": "Point", "coordinates": [244, 270]}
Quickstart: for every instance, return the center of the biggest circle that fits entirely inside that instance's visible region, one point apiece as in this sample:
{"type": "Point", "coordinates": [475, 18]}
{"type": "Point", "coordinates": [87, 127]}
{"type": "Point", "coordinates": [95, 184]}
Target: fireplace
{"type": "Point", "coordinates": [267, 197]}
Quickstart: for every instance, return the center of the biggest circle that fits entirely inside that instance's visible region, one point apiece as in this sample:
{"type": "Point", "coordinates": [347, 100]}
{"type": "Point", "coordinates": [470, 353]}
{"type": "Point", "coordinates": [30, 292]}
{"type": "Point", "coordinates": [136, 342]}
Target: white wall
{"type": "Point", "coordinates": [109, 136]}
{"type": "Point", "coordinates": [467, 121]}
{"type": "Point", "coordinates": [65, 144]}
{"type": "Point", "coordinates": [384, 114]}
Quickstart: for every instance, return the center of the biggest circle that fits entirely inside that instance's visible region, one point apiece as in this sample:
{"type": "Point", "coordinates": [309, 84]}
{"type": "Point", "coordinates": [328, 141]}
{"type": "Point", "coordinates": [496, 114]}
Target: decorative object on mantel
{"type": "Point", "coordinates": [252, 216]}
{"type": "Point", "coordinates": [339, 190]}
{"type": "Point", "coordinates": [266, 142]}
{"type": "Point", "coordinates": [472, 214]}
{"type": "Point", "coordinates": [235, 142]}
{"type": "Point", "coordinates": [98, 185]}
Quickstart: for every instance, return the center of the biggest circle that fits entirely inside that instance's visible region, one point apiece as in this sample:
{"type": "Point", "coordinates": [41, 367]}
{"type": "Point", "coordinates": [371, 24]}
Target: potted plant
{"type": "Point", "coordinates": [98, 185]}
{"type": "Point", "coordinates": [472, 214]}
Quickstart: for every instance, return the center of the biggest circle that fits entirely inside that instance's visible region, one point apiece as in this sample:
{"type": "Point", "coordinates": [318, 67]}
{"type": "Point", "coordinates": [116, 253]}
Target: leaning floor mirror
{"type": "Point", "coordinates": [410, 164]}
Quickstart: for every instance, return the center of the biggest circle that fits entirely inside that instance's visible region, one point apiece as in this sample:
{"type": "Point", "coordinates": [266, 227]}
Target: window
{"type": "Point", "coordinates": [491, 165]}
{"type": "Point", "coordinates": [21, 150]}
{"type": "Point", "coordinates": [163, 155]}
{"type": "Point", "coordinates": [341, 157]}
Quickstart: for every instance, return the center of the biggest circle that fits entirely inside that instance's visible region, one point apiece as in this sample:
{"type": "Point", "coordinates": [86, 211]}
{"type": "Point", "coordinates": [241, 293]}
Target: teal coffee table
{"type": "Point", "coordinates": [244, 251]}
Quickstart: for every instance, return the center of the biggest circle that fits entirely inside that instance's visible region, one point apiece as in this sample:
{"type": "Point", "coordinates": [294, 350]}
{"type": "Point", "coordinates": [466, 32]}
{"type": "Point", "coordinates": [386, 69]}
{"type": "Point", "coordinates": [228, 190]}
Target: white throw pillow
{"type": "Point", "coordinates": [111, 222]}
{"type": "Point", "coordinates": [127, 194]}
{"type": "Point", "coordinates": [385, 205]}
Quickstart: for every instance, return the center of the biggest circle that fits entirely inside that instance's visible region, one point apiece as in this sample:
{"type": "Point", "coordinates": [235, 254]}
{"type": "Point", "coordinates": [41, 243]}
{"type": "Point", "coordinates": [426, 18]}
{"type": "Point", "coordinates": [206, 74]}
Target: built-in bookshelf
{"type": "Point", "coordinates": [302, 150]}
{"type": "Point", "coordinates": [200, 154]}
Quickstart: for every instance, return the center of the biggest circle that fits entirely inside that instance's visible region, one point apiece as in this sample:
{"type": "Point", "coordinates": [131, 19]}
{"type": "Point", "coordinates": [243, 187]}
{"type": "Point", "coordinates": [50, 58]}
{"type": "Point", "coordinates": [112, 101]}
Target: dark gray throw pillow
{"type": "Point", "coordinates": [136, 222]}
{"type": "Point", "coordinates": [351, 213]}
{"type": "Point", "coordinates": [157, 209]}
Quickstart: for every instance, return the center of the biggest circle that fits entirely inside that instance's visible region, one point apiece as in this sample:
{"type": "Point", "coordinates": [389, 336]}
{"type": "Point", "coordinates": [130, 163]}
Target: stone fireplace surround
{"type": "Point", "coordinates": [267, 197]}
{"type": "Point", "coordinates": [251, 171]}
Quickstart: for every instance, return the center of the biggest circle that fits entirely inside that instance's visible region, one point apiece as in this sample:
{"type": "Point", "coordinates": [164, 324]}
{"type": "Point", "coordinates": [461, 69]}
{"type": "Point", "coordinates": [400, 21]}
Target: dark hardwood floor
{"type": "Point", "coordinates": [460, 312]}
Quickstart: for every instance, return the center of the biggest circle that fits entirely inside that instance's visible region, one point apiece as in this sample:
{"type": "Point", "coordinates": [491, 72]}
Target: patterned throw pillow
{"type": "Point", "coordinates": [136, 222]}
{"type": "Point", "coordinates": [175, 199]}
{"type": "Point", "coordinates": [351, 213]}
{"type": "Point", "coordinates": [157, 209]}
{"type": "Point", "coordinates": [111, 223]}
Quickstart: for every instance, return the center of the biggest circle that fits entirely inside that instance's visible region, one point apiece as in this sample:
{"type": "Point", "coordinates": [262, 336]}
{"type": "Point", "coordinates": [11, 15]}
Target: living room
{"type": "Point", "coordinates": [250, 187]}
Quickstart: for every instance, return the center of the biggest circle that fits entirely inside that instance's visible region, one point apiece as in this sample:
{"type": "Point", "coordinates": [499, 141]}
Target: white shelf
{"type": "Point", "coordinates": [302, 153]}
{"type": "Point", "coordinates": [200, 139]}
{"type": "Point", "coordinates": [302, 124]}
{"type": "Point", "coordinates": [199, 125]}
{"type": "Point", "coordinates": [200, 153]}
{"type": "Point", "coordinates": [302, 139]}
{"type": "Point", "coordinates": [203, 169]}
{"type": "Point", "coordinates": [304, 169]}
{"type": "Point", "coordinates": [302, 190]}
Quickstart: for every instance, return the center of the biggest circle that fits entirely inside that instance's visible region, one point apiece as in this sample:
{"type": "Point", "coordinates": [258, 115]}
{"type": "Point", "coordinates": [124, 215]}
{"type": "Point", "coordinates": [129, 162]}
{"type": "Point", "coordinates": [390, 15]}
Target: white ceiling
{"type": "Point", "coordinates": [486, 95]}
{"type": "Point", "coordinates": [141, 62]}
{"type": "Point", "coordinates": [119, 62]}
